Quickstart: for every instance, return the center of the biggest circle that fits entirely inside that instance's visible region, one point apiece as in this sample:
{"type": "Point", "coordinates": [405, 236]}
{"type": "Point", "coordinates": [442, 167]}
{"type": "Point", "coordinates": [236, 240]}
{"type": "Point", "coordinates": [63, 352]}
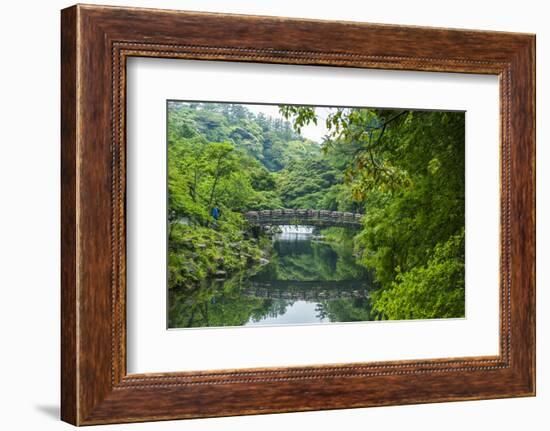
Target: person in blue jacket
{"type": "Point", "coordinates": [215, 213]}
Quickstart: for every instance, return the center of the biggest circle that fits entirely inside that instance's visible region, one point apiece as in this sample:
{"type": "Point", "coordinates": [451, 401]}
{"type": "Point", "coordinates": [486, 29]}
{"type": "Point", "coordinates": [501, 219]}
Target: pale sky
{"type": "Point", "coordinates": [311, 131]}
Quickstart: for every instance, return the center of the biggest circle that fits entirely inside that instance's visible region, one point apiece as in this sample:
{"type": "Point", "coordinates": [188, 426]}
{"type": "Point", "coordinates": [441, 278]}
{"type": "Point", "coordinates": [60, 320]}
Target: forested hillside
{"type": "Point", "coordinates": [273, 142]}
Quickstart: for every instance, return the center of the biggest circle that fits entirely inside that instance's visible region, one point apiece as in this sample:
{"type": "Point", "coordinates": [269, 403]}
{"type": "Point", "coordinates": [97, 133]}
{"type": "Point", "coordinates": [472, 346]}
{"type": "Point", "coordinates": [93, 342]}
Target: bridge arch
{"type": "Point", "coordinates": [307, 217]}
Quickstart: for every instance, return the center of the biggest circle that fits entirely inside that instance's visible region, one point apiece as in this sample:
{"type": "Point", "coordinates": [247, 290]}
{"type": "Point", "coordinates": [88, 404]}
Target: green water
{"type": "Point", "coordinates": [306, 281]}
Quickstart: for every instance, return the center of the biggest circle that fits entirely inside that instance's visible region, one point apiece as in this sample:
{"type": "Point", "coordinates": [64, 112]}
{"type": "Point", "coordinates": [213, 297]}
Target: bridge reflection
{"type": "Point", "coordinates": [307, 290]}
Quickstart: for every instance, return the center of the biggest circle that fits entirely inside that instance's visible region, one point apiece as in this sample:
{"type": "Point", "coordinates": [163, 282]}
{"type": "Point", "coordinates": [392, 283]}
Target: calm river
{"type": "Point", "coordinates": [306, 281]}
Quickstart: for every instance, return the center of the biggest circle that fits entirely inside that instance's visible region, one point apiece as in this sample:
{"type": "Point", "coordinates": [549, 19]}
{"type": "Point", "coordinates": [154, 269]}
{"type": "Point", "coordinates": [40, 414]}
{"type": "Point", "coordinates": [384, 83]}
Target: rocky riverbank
{"type": "Point", "coordinates": [198, 253]}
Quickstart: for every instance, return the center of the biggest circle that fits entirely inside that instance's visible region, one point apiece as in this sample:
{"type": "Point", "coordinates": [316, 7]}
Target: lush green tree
{"type": "Point", "coordinates": [435, 290]}
{"type": "Point", "coordinates": [405, 171]}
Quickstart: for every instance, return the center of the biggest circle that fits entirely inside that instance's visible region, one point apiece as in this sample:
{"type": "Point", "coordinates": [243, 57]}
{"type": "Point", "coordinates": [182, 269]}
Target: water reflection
{"type": "Point", "coordinates": [307, 280]}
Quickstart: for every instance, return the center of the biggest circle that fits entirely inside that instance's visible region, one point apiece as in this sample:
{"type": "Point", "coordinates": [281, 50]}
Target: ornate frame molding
{"type": "Point", "coordinates": [96, 41]}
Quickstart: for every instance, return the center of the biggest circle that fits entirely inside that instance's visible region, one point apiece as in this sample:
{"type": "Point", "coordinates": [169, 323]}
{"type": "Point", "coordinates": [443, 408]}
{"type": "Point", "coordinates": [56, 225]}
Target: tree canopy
{"type": "Point", "coordinates": [405, 170]}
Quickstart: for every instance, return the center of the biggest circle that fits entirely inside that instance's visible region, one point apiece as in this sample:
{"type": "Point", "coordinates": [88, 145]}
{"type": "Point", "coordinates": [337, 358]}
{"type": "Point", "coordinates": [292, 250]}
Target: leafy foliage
{"type": "Point", "coordinates": [405, 171]}
{"type": "Point", "coordinates": [435, 290]}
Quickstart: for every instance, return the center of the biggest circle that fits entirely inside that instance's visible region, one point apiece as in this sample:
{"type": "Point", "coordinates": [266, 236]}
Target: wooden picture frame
{"type": "Point", "coordinates": [95, 43]}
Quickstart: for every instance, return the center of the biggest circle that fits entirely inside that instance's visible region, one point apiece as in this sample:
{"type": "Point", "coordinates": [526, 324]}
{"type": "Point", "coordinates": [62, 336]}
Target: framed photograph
{"type": "Point", "coordinates": [264, 214]}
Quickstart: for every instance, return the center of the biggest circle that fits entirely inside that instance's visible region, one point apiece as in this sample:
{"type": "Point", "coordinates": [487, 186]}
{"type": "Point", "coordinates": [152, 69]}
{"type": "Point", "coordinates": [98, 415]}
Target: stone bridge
{"type": "Point", "coordinates": [304, 217]}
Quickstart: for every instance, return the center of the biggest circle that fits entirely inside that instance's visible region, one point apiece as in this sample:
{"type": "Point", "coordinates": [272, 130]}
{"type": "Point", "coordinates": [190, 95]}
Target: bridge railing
{"type": "Point", "coordinates": [264, 216]}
